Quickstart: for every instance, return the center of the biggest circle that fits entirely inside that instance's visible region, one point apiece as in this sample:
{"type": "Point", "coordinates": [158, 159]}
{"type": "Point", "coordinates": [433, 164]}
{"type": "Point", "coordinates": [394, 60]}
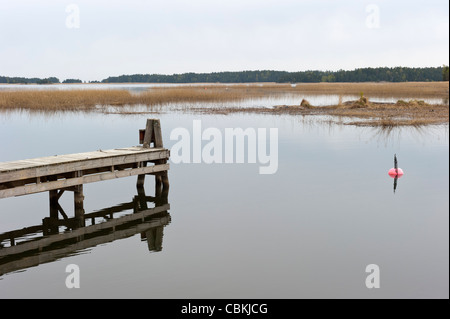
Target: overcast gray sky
{"type": "Point", "coordinates": [92, 40]}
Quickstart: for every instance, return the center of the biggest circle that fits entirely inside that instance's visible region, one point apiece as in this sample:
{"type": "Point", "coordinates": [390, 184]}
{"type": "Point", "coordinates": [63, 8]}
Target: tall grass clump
{"type": "Point", "coordinates": [306, 104]}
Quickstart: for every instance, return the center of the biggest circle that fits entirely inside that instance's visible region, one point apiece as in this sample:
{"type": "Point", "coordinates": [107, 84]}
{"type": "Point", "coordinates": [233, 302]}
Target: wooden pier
{"type": "Point", "coordinates": [60, 173]}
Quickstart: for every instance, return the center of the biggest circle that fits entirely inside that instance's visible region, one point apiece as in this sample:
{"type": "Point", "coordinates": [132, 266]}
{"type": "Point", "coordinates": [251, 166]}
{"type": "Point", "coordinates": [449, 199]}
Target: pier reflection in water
{"type": "Point", "coordinates": [59, 238]}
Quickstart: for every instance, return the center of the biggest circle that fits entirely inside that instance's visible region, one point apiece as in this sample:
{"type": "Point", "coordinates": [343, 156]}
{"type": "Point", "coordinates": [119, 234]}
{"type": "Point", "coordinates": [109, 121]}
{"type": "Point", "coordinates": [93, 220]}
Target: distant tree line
{"type": "Point", "coordinates": [21, 80]}
{"type": "Point", "coordinates": [72, 81]}
{"type": "Point", "coordinates": [398, 74]}
{"type": "Point", "coordinates": [223, 77]}
{"type": "Point", "coordinates": [382, 74]}
{"type": "Point", "coordinates": [445, 73]}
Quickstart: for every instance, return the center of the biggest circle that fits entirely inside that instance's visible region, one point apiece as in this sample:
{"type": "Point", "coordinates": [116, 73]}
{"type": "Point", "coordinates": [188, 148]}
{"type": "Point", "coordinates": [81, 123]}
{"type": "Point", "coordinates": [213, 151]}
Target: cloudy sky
{"type": "Point", "coordinates": [91, 40]}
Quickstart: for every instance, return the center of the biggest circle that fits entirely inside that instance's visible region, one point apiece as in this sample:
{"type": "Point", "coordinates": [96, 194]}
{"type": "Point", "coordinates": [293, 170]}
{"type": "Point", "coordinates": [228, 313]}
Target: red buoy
{"type": "Point", "coordinates": [395, 172]}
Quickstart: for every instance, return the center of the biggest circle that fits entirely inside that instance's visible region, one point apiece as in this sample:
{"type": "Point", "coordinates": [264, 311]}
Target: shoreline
{"type": "Point", "coordinates": [413, 113]}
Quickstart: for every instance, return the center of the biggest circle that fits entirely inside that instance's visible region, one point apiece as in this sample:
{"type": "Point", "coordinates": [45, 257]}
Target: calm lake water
{"type": "Point", "coordinates": [307, 231]}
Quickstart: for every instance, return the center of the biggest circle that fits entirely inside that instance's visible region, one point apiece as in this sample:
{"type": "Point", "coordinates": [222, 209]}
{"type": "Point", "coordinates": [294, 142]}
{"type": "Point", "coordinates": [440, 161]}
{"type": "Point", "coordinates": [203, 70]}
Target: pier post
{"type": "Point", "coordinates": [49, 223]}
{"type": "Point", "coordinates": [53, 194]}
{"type": "Point", "coordinates": [78, 200]}
{"type": "Point", "coordinates": [141, 178]}
{"type": "Point", "coordinates": [79, 204]}
{"type": "Point", "coordinates": [141, 198]}
{"type": "Point", "coordinates": [153, 134]}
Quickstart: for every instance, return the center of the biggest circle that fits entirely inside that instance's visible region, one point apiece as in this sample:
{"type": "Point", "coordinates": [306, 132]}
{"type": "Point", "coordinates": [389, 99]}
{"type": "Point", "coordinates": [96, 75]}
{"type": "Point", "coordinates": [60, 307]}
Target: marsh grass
{"type": "Point", "coordinates": [412, 112]}
{"type": "Point", "coordinates": [89, 99]}
{"type": "Point", "coordinates": [70, 100]}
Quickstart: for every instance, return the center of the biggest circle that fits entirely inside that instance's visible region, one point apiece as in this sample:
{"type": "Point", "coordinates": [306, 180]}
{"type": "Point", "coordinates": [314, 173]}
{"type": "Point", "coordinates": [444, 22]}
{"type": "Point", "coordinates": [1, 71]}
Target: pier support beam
{"type": "Point", "coordinates": [56, 209]}
{"type": "Point", "coordinates": [49, 223]}
{"type": "Point", "coordinates": [78, 198]}
{"type": "Point", "coordinates": [54, 205]}
{"type": "Point", "coordinates": [153, 135]}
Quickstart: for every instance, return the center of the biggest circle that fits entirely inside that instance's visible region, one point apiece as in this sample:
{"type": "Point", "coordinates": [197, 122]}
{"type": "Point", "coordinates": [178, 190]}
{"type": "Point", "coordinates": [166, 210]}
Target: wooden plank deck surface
{"type": "Point", "coordinates": [8, 167]}
{"type": "Point", "coordinates": [42, 174]}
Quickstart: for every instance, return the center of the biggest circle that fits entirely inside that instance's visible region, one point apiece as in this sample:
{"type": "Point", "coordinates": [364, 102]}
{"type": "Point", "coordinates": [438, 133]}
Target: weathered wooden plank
{"type": "Point", "coordinates": [43, 187]}
{"type": "Point", "coordinates": [16, 165]}
{"type": "Point", "coordinates": [56, 159]}
{"type": "Point", "coordinates": [63, 165]}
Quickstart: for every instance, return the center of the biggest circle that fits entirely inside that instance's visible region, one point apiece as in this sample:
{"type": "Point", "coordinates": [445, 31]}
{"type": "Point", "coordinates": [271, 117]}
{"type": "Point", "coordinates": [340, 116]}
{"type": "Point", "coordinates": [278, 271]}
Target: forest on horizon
{"type": "Point", "coordinates": [381, 74]}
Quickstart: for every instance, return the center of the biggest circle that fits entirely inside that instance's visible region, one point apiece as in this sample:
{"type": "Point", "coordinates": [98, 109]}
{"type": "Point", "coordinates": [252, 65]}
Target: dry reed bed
{"type": "Point", "coordinates": [402, 113]}
{"type": "Point", "coordinates": [71, 100]}
{"type": "Point", "coordinates": [89, 99]}
{"type": "Point", "coordinates": [370, 89]}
